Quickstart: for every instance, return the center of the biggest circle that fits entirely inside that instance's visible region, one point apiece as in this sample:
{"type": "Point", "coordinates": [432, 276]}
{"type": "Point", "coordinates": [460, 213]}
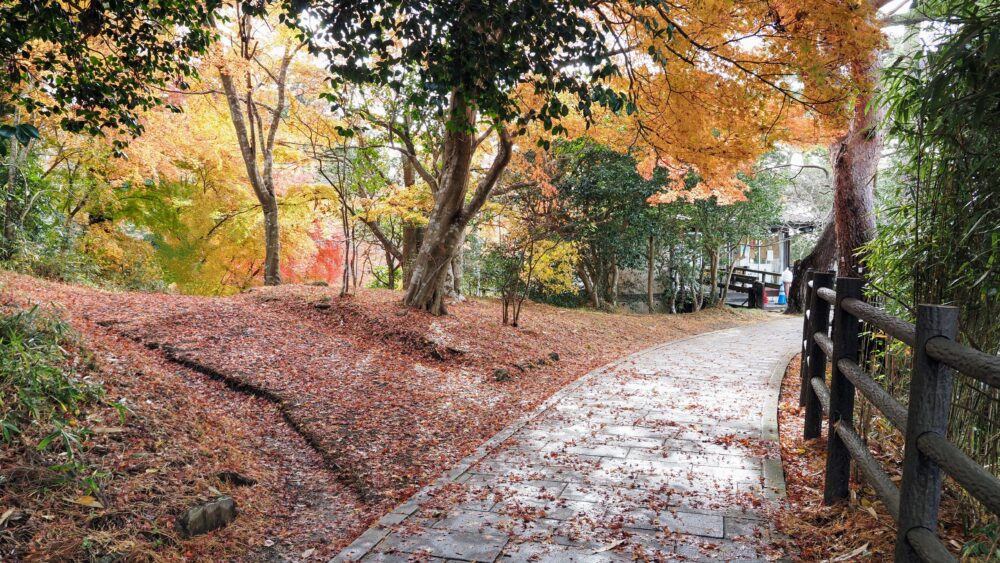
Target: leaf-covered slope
{"type": "Point", "coordinates": [180, 438]}
{"type": "Point", "coordinates": [387, 396]}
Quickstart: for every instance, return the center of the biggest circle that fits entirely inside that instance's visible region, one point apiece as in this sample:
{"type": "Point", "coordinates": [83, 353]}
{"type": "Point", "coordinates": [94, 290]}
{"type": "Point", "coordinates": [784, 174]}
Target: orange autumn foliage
{"type": "Point", "coordinates": [714, 85]}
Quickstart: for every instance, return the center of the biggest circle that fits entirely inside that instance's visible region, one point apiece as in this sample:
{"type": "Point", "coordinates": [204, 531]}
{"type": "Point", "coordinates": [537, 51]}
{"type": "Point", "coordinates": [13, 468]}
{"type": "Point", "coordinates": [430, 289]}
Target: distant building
{"type": "Point", "coordinates": [774, 253]}
{"type": "Point", "coordinates": [757, 260]}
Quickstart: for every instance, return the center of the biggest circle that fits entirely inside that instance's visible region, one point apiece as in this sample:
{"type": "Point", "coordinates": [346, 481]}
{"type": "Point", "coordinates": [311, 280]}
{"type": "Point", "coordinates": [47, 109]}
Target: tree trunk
{"type": "Point", "coordinates": [390, 266]}
{"type": "Point", "coordinates": [10, 210]}
{"type": "Point", "coordinates": [672, 276]}
{"type": "Point", "coordinates": [588, 285]}
{"type": "Point", "coordinates": [613, 283]}
{"type": "Point", "coordinates": [713, 276]}
{"type": "Point", "coordinates": [450, 215]}
{"type": "Point", "coordinates": [697, 292]}
{"type": "Point", "coordinates": [345, 276]}
{"type": "Point", "coordinates": [650, 258]}
{"type": "Point", "coordinates": [822, 257]}
{"type": "Point", "coordinates": [681, 289]}
{"type": "Point", "coordinates": [10, 226]}
{"type": "Point", "coordinates": [413, 237]}
{"type": "Point", "coordinates": [255, 142]}
{"type": "Point", "coordinates": [446, 224]}
{"type": "Point", "coordinates": [355, 268]}
{"type": "Point", "coordinates": [724, 293]}
{"type": "Point", "coordinates": [855, 163]}
{"type": "Point", "coordinates": [454, 272]}
{"type": "Point", "coordinates": [272, 241]}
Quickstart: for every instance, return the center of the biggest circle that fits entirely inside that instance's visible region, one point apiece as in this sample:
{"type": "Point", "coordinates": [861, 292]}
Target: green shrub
{"type": "Point", "coordinates": [41, 392]}
{"type": "Point", "coordinates": [380, 278]}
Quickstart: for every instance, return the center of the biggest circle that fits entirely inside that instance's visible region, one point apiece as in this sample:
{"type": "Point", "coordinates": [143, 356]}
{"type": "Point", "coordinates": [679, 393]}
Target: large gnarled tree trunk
{"type": "Point", "coordinates": [851, 224]}
{"type": "Point", "coordinates": [855, 164]}
{"type": "Point", "coordinates": [822, 257]}
{"type": "Point", "coordinates": [451, 214]}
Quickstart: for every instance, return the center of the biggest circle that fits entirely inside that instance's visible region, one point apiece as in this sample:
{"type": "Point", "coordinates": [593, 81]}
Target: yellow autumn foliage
{"type": "Point", "coordinates": [551, 266]}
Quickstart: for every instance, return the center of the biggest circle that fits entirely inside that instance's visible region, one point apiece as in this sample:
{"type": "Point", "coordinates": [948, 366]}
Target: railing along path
{"type": "Point", "coordinates": [928, 454]}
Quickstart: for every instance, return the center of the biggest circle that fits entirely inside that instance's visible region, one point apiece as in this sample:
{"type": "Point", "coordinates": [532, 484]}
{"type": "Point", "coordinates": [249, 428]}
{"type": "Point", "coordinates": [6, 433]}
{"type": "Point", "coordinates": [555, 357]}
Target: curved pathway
{"type": "Point", "coordinates": [669, 454]}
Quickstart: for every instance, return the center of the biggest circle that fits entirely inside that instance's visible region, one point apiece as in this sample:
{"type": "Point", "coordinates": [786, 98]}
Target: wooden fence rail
{"type": "Point", "coordinates": [928, 455]}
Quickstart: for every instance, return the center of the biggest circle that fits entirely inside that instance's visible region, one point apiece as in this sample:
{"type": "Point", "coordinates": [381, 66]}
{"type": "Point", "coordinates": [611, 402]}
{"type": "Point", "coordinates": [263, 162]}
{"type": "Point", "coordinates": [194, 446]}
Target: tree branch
{"type": "Point", "coordinates": [492, 175]}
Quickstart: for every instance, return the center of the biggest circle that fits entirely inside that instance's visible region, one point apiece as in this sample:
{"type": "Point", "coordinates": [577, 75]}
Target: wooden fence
{"type": "Point", "coordinates": [752, 282]}
{"type": "Point", "coordinates": [928, 454]}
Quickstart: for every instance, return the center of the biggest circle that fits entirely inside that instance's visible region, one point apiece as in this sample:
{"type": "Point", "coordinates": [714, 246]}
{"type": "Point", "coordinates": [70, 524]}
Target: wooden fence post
{"type": "Point", "coordinates": [846, 340]}
{"type": "Point", "coordinates": [819, 319]}
{"type": "Point", "coordinates": [807, 341]}
{"type": "Point", "coordinates": [930, 400]}
{"type": "Point", "coordinates": [757, 291]}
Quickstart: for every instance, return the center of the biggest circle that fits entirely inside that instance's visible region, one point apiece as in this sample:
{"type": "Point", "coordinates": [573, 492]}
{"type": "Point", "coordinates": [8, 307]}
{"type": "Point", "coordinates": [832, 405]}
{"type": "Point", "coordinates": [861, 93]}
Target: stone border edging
{"type": "Point", "coordinates": [382, 527]}
{"type": "Point", "coordinates": [774, 474]}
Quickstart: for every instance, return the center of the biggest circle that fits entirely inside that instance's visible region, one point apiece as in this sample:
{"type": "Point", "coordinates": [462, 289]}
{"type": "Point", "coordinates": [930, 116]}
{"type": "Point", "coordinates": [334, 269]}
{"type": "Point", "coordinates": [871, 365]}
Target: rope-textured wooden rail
{"type": "Point", "coordinates": [928, 454]}
{"type": "Point", "coordinates": [896, 328]}
{"type": "Point", "coordinates": [971, 362]}
{"type": "Point", "coordinates": [886, 403]}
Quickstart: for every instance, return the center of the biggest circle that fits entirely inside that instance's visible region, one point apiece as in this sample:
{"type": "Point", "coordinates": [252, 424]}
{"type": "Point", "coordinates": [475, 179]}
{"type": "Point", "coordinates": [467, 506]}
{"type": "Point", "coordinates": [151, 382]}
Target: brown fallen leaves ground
{"type": "Point", "coordinates": [862, 528]}
{"type": "Point", "coordinates": [337, 408]}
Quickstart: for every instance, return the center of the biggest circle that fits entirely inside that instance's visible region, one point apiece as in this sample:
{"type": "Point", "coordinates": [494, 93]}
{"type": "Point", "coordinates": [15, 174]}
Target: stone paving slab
{"type": "Point", "coordinates": [668, 454]}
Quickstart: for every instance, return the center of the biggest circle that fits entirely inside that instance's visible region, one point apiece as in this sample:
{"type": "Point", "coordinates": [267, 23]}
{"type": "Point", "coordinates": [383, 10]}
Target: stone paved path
{"type": "Point", "coordinates": [667, 455]}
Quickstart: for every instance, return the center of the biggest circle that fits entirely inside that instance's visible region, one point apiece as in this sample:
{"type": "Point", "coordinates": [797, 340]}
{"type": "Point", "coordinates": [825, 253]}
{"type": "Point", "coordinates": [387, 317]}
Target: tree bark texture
{"type": "Point", "coordinates": [613, 282]}
{"type": "Point", "coordinates": [713, 276]}
{"type": "Point", "coordinates": [588, 285]}
{"type": "Point", "coordinates": [13, 221]}
{"type": "Point", "coordinates": [650, 265]}
{"type": "Point", "coordinates": [822, 257]}
{"type": "Point", "coordinates": [454, 272]}
{"type": "Point", "coordinates": [855, 164]}
{"type": "Point", "coordinates": [697, 291]}
{"type": "Point", "coordinates": [450, 215]}
{"type": "Point", "coordinates": [413, 237]}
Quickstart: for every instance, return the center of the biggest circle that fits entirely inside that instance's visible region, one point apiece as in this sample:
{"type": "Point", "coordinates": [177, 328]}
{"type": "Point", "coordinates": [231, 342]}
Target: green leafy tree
{"type": "Point", "coordinates": [469, 59]}
{"type": "Point", "coordinates": [98, 65]}
{"type": "Point", "coordinates": [26, 198]}
{"type": "Point", "coordinates": [603, 209]}
{"type": "Point", "coordinates": [88, 67]}
{"type": "Point", "coordinates": [701, 236]}
{"type": "Point", "coordinates": [721, 230]}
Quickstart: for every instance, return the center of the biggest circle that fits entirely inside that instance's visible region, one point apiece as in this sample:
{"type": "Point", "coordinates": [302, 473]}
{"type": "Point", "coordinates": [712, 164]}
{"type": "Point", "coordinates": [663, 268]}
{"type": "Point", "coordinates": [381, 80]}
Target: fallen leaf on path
{"type": "Point", "coordinates": [7, 513]}
{"type": "Point", "coordinates": [86, 500]}
{"type": "Point", "coordinates": [609, 547]}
